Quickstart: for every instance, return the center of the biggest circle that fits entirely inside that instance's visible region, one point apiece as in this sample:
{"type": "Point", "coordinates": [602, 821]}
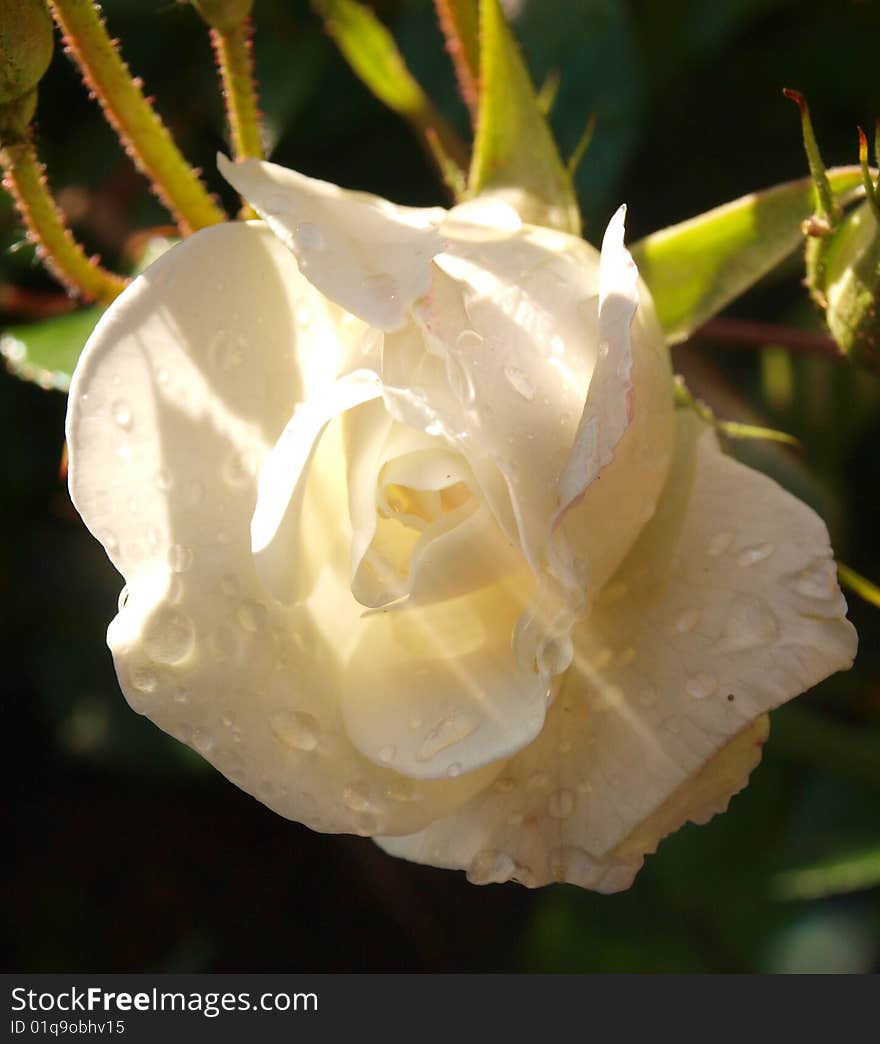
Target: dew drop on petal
{"type": "Point", "coordinates": [296, 729]}
{"type": "Point", "coordinates": [687, 620]}
{"type": "Point", "coordinates": [386, 754]}
{"type": "Point", "coordinates": [356, 796]}
{"type": "Point", "coordinates": [750, 556]}
{"type": "Point", "coordinates": [180, 558]}
{"type": "Point", "coordinates": [251, 616]}
{"type": "Point", "coordinates": [454, 770]}
{"type": "Point", "coordinates": [560, 804]}
{"type": "Point", "coordinates": [818, 580]}
{"type": "Point", "coordinates": [750, 623]}
{"type": "Point", "coordinates": [469, 341]}
{"type": "Point", "coordinates": [144, 679]}
{"type": "Point", "coordinates": [720, 543]}
{"type": "Point", "coordinates": [490, 867]}
{"type": "Point", "coordinates": [519, 382]}
{"type": "Point", "coordinates": [446, 732]}
{"type": "Point", "coordinates": [701, 685]}
{"type": "Point", "coordinates": [170, 637]}
{"type": "Point", "coordinates": [648, 697]}
{"type": "Point", "coordinates": [122, 415]}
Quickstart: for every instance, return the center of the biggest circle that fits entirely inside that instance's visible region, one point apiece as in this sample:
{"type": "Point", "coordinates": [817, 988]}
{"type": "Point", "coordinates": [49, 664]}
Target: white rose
{"type": "Point", "coordinates": [417, 546]}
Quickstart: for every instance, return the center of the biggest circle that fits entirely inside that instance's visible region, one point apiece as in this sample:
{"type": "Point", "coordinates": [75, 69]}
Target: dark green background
{"type": "Point", "coordinates": [126, 852]}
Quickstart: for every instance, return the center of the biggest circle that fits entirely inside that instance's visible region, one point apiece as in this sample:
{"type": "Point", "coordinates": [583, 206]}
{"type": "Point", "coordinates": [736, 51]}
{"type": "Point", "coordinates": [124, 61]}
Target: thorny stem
{"type": "Point", "coordinates": [757, 335]}
{"type": "Point", "coordinates": [141, 131]}
{"type": "Point", "coordinates": [236, 65]}
{"type": "Point", "coordinates": [25, 180]}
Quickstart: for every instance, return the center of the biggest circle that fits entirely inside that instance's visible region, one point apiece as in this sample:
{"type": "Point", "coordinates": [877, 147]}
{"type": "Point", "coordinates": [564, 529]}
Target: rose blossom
{"type": "Point", "coordinates": [417, 546]}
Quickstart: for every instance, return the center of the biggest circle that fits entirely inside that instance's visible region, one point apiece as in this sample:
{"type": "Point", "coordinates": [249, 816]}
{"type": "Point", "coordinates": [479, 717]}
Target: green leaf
{"type": "Point", "coordinates": [695, 269]}
{"type": "Point", "coordinates": [514, 150]}
{"type": "Point", "coordinates": [850, 870]}
{"type": "Point", "coordinates": [370, 50]}
{"type": "Point", "coordinates": [46, 352]}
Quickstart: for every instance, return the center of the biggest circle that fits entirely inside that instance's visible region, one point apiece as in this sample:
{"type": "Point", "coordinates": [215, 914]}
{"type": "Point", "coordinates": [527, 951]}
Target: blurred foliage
{"type": "Point", "coordinates": [128, 854]}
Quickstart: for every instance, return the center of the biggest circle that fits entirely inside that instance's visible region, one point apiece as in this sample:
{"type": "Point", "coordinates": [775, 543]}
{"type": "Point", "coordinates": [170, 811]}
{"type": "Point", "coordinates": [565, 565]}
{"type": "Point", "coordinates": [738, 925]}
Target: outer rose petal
{"type": "Point", "coordinates": [370, 256]}
{"type": "Point", "coordinates": [181, 392]}
{"type": "Point", "coordinates": [730, 592]}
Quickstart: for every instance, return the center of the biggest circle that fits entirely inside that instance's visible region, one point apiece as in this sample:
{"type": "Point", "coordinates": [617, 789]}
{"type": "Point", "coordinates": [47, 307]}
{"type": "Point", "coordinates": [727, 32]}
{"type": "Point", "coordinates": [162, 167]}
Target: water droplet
{"type": "Point", "coordinates": [538, 781]}
{"type": "Point", "coordinates": [565, 747]}
{"type": "Point", "coordinates": [251, 616]}
{"type": "Point", "coordinates": [460, 383]}
{"type": "Point", "coordinates": [239, 469]}
{"type": "Point", "coordinates": [687, 620]}
{"type": "Point", "coordinates": [557, 345]}
{"type": "Point", "coordinates": [515, 819]}
{"type": "Point", "coordinates": [122, 415]}
{"type": "Point", "coordinates": [164, 481]}
{"type": "Point", "coordinates": [356, 796]}
{"type": "Point", "coordinates": [402, 790]}
{"type": "Point", "coordinates": [309, 236]}
{"type": "Point", "coordinates": [170, 636]}
{"type": "Point", "coordinates": [750, 556]}
{"type": "Point", "coordinates": [386, 754]}
{"type": "Point", "coordinates": [519, 382]}
{"type": "Point", "coordinates": [560, 804]}
{"type": "Point", "coordinates": [180, 558]}
{"type": "Point", "coordinates": [162, 376]}
{"type": "Point", "coordinates": [469, 341]}
{"type": "Point", "coordinates": [295, 729]}
{"type": "Point", "coordinates": [556, 654]}
{"type": "Point", "coordinates": [720, 543]}
{"type": "Point", "coordinates": [673, 724]}
{"type": "Point", "coordinates": [144, 679]}
{"type": "Point", "coordinates": [203, 741]}
{"type": "Point", "coordinates": [181, 694]}
{"type": "Point", "coordinates": [490, 867]}
{"type": "Point", "coordinates": [648, 697]}
{"type": "Point", "coordinates": [818, 580]}
{"type": "Point", "coordinates": [226, 351]}
{"type": "Point", "coordinates": [445, 733]}
{"type": "Point", "coordinates": [505, 784]}
{"type": "Point", "coordinates": [626, 656]}
{"type": "Point", "coordinates": [454, 770]}
{"type": "Point", "coordinates": [700, 686]}
{"type": "Point", "coordinates": [750, 623]}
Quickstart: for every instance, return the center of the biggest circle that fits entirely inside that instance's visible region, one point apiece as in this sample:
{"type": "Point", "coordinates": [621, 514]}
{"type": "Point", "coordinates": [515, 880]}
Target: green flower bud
{"type": "Point", "coordinates": [26, 45]}
{"type": "Point", "coordinates": [223, 14]}
{"type": "Point", "coordinates": [15, 119]}
{"type": "Point", "coordinates": [852, 286]}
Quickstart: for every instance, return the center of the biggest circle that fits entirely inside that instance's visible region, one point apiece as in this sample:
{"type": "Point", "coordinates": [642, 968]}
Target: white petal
{"type": "Point", "coordinates": [281, 484]}
{"type": "Point", "coordinates": [179, 396]}
{"type": "Point", "coordinates": [434, 691]}
{"type": "Point", "coordinates": [727, 607]}
{"type": "Point", "coordinates": [609, 409]}
{"type": "Point", "coordinates": [370, 256]}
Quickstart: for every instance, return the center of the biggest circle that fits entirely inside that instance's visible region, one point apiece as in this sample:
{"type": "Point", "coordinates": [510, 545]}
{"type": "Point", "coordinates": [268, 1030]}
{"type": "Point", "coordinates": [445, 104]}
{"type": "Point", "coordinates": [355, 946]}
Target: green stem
{"type": "Point", "coordinates": [25, 179]}
{"type": "Point", "coordinates": [235, 61]}
{"type": "Point", "coordinates": [138, 126]}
